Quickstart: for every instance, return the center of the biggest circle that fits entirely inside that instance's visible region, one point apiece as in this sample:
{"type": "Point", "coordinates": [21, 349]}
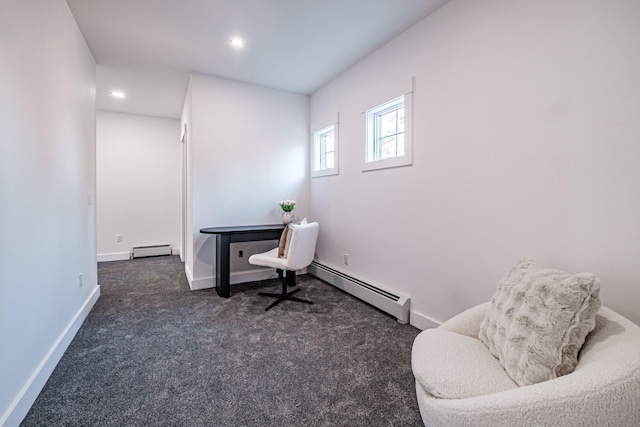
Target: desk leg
{"type": "Point", "coordinates": [223, 259]}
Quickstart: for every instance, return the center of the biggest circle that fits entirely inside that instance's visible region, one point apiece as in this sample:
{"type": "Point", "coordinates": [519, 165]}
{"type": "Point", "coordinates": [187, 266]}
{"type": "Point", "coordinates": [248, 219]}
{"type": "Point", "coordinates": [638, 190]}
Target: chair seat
{"type": "Point", "coordinates": [453, 366]}
{"type": "Point", "coordinates": [269, 259]}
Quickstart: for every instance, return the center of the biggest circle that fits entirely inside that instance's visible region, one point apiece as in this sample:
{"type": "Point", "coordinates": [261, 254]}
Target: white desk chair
{"type": "Point", "coordinates": [300, 249]}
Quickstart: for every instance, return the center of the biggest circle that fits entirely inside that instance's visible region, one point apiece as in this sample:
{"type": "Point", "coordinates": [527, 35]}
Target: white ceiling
{"type": "Point", "coordinates": [148, 47]}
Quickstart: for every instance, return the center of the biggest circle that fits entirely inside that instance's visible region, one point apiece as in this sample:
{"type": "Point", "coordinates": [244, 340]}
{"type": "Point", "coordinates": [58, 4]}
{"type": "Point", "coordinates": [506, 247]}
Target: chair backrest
{"type": "Point", "coordinates": [303, 245]}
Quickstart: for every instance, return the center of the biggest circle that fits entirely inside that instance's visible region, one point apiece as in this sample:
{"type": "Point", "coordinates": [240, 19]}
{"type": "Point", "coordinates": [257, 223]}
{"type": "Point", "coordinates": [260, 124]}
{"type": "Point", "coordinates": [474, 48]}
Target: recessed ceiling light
{"type": "Point", "coordinates": [118, 94]}
{"type": "Point", "coordinates": [237, 42]}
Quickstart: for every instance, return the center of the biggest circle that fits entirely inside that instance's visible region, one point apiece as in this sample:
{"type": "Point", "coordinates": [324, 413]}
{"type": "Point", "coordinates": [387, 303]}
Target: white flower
{"type": "Point", "coordinates": [287, 205]}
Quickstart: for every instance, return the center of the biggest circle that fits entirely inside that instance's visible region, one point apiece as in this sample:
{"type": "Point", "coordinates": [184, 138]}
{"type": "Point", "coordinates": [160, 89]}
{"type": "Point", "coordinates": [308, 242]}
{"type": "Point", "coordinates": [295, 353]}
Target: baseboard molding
{"type": "Point", "coordinates": [253, 275]}
{"type": "Point", "coordinates": [189, 275]}
{"type": "Point", "coordinates": [117, 256]}
{"type": "Point", "coordinates": [123, 256]}
{"type": "Point", "coordinates": [27, 396]}
{"type": "Point", "coordinates": [422, 321]}
{"type": "Point", "coordinates": [200, 283]}
{"type": "Point", "coordinates": [235, 277]}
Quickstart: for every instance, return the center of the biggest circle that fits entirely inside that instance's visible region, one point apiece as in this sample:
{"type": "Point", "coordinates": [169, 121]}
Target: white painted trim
{"type": "Point", "coordinates": [200, 283]}
{"type": "Point", "coordinates": [393, 162]}
{"type": "Point", "coordinates": [252, 275]}
{"type": "Point", "coordinates": [123, 256]}
{"type": "Point", "coordinates": [117, 256]}
{"type": "Point", "coordinates": [235, 278]}
{"type": "Point", "coordinates": [30, 391]}
{"type": "Point", "coordinates": [422, 321]}
{"type": "Point", "coordinates": [189, 275]}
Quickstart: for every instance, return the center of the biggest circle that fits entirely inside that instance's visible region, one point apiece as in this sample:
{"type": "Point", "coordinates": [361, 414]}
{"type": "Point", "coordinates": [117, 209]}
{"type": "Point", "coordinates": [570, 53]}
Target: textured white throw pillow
{"type": "Point", "coordinates": [538, 320]}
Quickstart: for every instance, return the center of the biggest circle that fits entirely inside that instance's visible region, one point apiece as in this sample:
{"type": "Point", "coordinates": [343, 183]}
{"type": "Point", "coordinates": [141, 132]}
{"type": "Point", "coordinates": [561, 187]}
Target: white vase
{"type": "Point", "coordinates": [287, 217]}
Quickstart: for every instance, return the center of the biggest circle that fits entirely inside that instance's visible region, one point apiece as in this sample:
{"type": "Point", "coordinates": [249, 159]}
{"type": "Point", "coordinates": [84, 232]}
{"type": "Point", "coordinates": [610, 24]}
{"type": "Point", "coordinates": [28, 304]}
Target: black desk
{"type": "Point", "coordinates": [227, 235]}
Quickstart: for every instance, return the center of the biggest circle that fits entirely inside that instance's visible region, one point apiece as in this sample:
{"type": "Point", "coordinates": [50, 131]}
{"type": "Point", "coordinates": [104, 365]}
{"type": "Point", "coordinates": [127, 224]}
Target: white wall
{"type": "Point", "coordinates": [525, 145]}
{"type": "Point", "coordinates": [138, 183]}
{"type": "Point", "coordinates": [248, 149]}
{"type": "Point", "coordinates": [47, 186]}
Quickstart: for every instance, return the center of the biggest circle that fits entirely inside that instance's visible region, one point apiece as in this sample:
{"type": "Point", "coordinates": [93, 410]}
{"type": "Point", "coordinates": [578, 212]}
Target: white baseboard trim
{"type": "Point", "coordinates": [27, 396]}
{"type": "Point", "coordinates": [123, 256]}
{"type": "Point", "coordinates": [422, 321]}
{"type": "Point", "coordinates": [117, 256]}
{"type": "Point", "coordinates": [252, 275]}
{"type": "Point", "coordinates": [201, 283]}
{"type": "Point", "coordinates": [187, 273]}
{"type": "Point", "coordinates": [235, 277]}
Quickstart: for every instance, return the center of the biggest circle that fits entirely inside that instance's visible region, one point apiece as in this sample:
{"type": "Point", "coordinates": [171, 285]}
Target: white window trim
{"type": "Point", "coordinates": [336, 144]}
{"type": "Point", "coordinates": [393, 162]}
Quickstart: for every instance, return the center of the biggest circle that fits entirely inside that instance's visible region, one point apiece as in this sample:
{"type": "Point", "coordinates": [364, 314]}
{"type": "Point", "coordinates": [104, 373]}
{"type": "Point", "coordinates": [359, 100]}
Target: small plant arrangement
{"type": "Point", "coordinates": [287, 205]}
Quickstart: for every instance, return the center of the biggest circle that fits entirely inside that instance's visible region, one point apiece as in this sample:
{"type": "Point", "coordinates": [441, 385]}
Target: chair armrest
{"type": "Point", "coordinates": [468, 322]}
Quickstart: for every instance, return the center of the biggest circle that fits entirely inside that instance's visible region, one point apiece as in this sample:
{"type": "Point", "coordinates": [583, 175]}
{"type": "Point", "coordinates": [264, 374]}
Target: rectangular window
{"type": "Point", "coordinates": [388, 136]}
{"type": "Point", "coordinates": [387, 130]}
{"type": "Point", "coordinates": [324, 142]}
{"type": "Point", "coordinates": [325, 151]}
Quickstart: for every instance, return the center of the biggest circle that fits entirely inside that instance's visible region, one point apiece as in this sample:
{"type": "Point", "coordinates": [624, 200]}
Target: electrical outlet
{"type": "Point", "coordinates": [118, 237]}
{"type": "Point", "coordinates": [346, 259]}
{"type": "Point", "coordinates": [80, 280]}
{"type": "Point", "coordinates": [240, 254]}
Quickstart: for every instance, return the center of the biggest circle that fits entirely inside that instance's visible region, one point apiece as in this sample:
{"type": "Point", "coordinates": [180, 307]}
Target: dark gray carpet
{"type": "Point", "coordinates": [152, 352]}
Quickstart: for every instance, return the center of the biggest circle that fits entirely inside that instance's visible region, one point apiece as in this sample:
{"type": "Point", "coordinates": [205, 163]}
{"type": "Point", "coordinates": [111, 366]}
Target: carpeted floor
{"type": "Point", "coordinates": [152, 352]}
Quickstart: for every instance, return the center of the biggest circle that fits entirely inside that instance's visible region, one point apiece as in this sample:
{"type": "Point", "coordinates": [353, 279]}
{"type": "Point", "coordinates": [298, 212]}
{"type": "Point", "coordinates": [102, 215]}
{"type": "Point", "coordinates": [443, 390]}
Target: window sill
{"type": "Point", "coordinates": [393, 162]}
{"type": "Point", "coordinates": [324, 172]}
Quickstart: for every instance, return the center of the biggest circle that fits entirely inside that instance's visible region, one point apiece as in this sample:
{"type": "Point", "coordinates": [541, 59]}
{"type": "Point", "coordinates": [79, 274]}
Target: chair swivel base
{"type": "Point", "coordinates": [287, 280]}
{"type": "Point", "coordinates": [284, 296]}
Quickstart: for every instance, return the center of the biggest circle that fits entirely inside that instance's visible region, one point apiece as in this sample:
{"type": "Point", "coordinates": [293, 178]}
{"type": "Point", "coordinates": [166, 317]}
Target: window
{"type": "Point", "coordinates": [325, 148]}
{"type": "Point", "coordinates": [325, 151]}
{"type": "Point", "coordinates": [388, 134]}
{"type": "Point", "coordinates": [386, 124]}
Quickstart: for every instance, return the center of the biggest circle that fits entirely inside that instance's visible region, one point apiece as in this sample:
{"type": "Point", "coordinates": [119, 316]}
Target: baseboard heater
{"type": "Point", "coordinates": [386, 300]}
{"type": "Point", "coordinates": [147, 251]}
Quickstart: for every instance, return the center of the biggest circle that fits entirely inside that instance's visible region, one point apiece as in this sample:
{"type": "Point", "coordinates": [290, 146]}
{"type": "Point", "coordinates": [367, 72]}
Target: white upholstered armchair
{"type": "Point", "coordinates": [459, 383]}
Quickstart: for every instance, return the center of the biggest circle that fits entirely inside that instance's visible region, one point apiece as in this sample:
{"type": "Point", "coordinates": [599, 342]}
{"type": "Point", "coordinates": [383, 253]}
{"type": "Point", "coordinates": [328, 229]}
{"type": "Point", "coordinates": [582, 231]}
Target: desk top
{"type": "Point", "coordinates": [242, 229]}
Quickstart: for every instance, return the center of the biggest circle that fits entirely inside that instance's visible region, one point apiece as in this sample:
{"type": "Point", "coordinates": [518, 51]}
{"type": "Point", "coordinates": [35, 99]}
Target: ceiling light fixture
{"type": "Point", "coordinates": [237, 42]}
{"type": "Point", "coordinates": [118, 94]}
